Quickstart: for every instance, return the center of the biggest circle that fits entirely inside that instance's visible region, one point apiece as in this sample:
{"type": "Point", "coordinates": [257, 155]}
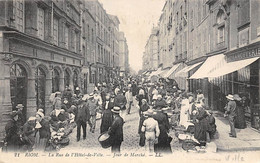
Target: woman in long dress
{"type": "Point", "coordinates": [240, 121]}
{"type": "Point", "coordinates": [184, 114]}
{"type": "Point", "coordinates": [43, 133]}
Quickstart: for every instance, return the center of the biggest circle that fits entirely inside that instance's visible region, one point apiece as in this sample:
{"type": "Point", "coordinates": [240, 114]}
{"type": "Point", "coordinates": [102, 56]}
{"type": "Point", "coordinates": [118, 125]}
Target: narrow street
{"type": "Point", "coordinates": [131, 137]}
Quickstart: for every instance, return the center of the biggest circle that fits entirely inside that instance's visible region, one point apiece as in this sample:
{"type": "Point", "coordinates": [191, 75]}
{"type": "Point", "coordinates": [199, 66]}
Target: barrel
{"type": "Point", "coordinates": [105, 140]}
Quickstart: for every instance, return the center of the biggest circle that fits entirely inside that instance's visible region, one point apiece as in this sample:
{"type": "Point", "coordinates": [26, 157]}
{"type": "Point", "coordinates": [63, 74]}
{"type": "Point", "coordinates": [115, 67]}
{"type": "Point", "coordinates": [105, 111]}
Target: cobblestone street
{"type": "Point", "coordinates": [131, 137]}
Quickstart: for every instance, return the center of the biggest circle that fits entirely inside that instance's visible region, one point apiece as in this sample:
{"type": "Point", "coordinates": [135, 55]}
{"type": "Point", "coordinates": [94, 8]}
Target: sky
{"type": "Point", "coordinates": [137, 18]}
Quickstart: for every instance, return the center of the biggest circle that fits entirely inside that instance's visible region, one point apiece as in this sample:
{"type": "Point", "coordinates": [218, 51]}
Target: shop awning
{"type": "Point", "coordinates": [184, 72]}
{"type": "Point", "coordinates": [208, 66]}
{"type": "Point", "coordinates": [164, 72]}
{"type": "Point", "coordinates": [231, 67]}
{"type": "Point", "coordinates": [155, 73]}
{"type": "Point", "coordinates": [174, 67]}
{"type": "Point", "coordinates": [144, 72]}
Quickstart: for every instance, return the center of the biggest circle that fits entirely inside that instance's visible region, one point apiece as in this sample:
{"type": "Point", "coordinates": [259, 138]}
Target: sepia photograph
{"type": "Point", "coordinates": [129, 81]}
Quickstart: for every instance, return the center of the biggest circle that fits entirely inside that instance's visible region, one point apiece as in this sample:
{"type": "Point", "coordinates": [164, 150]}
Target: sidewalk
{"type": "Point", "coordinates": [247, 139]}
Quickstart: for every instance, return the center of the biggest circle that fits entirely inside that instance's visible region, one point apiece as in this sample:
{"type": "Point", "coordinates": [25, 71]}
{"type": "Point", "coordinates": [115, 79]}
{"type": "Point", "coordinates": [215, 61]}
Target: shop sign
{"type": "Point", "coordinates": [244, 54]}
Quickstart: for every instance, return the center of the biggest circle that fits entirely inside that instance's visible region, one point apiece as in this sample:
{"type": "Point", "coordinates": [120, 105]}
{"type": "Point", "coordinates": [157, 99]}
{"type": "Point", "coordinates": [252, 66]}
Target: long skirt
{"type": "Point", "coordinates": [40, 143]}
{"type": "Point", "coordinates": [163, 145]}
{"type": "Point", "coordinates": [240, 121]}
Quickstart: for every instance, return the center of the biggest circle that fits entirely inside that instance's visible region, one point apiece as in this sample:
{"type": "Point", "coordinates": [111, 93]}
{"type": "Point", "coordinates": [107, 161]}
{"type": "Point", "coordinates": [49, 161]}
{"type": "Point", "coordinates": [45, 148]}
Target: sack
{"type": "Point", "coordinates": [142, 139]}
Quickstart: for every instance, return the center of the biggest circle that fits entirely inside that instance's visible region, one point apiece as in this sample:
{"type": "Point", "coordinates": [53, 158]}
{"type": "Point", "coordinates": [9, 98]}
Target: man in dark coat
{"type": "Point", "coordinates": [120, 101]}
{"type": "Point", "coordinates": [81, 118]}
{"type": "Point", "coordinates": [107, 117]}
{"type": "Point", "coordinates": [12, 133]}
{"type": "Point", "coordinates": [163, 145]}
{"type": "Point", "coordinates": [116, 131]}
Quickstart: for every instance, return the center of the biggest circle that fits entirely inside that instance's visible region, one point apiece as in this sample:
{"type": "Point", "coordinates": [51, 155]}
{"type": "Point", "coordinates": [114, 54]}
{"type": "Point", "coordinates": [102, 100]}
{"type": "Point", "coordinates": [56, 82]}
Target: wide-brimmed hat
{"type": "Point", "coordinates": [236, 97]}
{"type": "Point", "coordinates": [20, 106]}
{"type": "Point", "coordinates": [230, 97]}
{"type": "Point", "coordinates": [77, 88]}
{"type": "Point", "coordinates": [159, 96]}
{"type": "Point", "coordinates": [116, 110]}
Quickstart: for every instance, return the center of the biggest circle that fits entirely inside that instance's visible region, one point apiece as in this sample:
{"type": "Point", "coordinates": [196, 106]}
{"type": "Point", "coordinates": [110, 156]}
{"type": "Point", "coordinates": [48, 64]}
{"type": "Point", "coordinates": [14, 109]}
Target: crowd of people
{"type": "Point", "coordinates": [160, 110]}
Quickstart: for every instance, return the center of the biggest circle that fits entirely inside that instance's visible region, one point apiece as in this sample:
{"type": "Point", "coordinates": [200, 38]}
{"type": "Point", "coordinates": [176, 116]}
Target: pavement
{"type": "Point", "coordinates": [247, 139]}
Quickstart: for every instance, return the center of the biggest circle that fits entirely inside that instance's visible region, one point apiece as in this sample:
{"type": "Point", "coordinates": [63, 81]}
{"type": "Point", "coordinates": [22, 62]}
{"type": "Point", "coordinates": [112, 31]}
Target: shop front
{"type": "Point", "coordinates": [240, 75]}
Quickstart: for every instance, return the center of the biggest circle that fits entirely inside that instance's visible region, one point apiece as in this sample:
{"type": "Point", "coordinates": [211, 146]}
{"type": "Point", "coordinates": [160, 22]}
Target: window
{"type": "Point", "coordinates": [73, 40]}
{"type": "Point", "coordinates": [221, 35]}
{"type": "Point", "coordinates": [66, 36]}
{"type": "Point", "coordinates": [185, 42]}
{"type": "Point", "coordinates": [243, 12]}
{"type": "Point", "coordinates": [243, 37]}
{"type": "Point", "coordinates": [88, 33]}
{"type": "Point", "coordinates": [92, 30]}
{"type": "Point", "coordinates": [18, 11]}
{"type": "Point", "coordinates": [55, 31]}
{"type": "Point", "coordinates": [77, 42]}
{"type": "Point", "coordinates": [40, 23]}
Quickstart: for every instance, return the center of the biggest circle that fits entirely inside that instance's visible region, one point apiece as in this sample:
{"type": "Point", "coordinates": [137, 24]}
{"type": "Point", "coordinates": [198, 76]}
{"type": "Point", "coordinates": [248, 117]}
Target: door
{"type": "Point", "coordinates": [18, 87]}
{"type": "Point", "coordinates": [66, 78]}
{"type": "Point", "coordinates": [40, 83]}
{"type": "Point", "coordinates": [55, 80]}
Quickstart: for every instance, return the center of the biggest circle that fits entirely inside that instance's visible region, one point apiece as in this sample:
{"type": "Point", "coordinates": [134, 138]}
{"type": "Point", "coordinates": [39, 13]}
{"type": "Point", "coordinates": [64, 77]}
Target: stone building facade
{"type": "Point", "coordinates": [47, 45]}
{"type": "Point", "coordinates": [123, 55]}
{"type": "Point", "coordinates": [40, 53]}
{"type": "Point", "coordinates": [151, 58]}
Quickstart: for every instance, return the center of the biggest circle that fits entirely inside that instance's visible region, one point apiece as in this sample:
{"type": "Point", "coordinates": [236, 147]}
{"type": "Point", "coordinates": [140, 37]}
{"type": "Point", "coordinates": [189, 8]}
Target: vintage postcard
{"type": "Point", "coordinates": [129, 80]}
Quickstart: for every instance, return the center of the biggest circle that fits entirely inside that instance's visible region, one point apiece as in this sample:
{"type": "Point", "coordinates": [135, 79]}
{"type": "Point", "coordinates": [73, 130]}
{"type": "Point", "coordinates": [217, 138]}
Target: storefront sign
{"type": "Point", "coordinates": [244, 54]}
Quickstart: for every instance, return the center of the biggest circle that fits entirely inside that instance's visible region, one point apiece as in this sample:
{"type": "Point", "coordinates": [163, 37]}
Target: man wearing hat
{"type": "Point", "coordinates": [92, 105]}
{"type": "Point", "coordinates": [81, 117]}
{"type": "Point", "coordinates": [21, 118]}
{"type": "Point", "coordinates": [231, 113]}
{"type": "Point", "coordinates": [151, 129]}
{"type": "Point", "coordinates": [11, 132]}
{"type": "Point", "coordinates": [163, 145]}
{"type": "Point", "coordinates": [120, 101]}
{"type": "Point", "coordinates": [116, 131]}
